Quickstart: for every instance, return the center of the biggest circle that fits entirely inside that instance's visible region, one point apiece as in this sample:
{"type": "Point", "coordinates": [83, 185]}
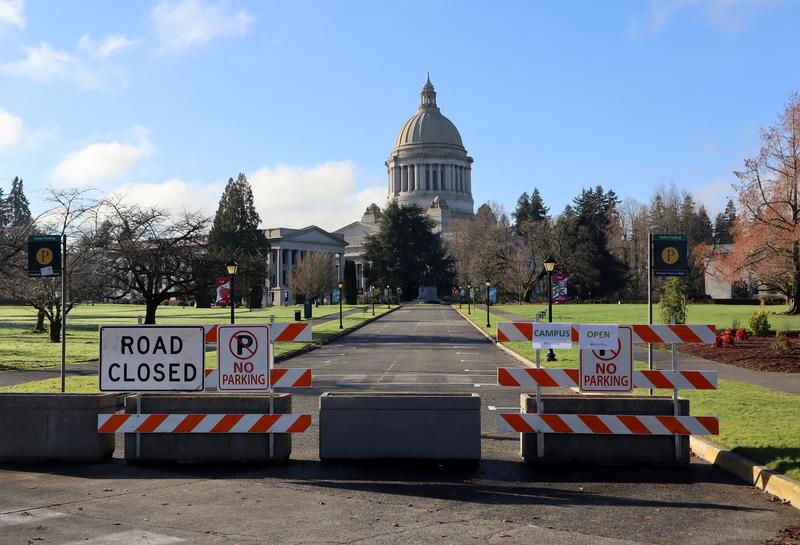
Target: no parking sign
{"type": "Point", "coordinates": [243, 358]}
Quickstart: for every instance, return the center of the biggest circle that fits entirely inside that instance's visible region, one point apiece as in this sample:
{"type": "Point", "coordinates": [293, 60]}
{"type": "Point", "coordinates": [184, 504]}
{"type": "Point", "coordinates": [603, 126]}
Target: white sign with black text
{"type": "Point", "coordinates": [243, 358]}
{"type": "Point", "coordinates": [608, 370]}
{"type": "Point", "coordinates": [546, 335]}
{"type": "Point", "coordinates": [152, 358]}
{"type": "Point", "coordinates": [602, 336]}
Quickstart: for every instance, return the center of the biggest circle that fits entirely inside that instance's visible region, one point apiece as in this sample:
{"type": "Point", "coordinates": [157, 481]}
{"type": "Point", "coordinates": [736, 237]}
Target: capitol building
{"type": "Point", "coordinates": [428, 166]}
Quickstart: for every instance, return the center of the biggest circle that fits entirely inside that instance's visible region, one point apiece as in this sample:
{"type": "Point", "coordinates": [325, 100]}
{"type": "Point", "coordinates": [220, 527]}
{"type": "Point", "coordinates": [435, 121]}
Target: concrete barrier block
{"type": "Point", "coordinates": [54, 427]}
{"type": "Point", "coordinates": [402, 426]}
{"type": "Point", "coordinates": [614, 450]}
{"type": "Point", "coordinates": [208, 447]}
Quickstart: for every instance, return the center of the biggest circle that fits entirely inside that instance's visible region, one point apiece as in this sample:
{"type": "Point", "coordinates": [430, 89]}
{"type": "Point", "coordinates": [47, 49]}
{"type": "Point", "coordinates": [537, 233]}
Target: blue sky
{"type": "Point", "coordinates": [163, 101]}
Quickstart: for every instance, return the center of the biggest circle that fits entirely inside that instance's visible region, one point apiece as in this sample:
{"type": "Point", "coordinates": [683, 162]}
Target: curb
{"type": "Point", "coordinates": [304, 350]}
{"type": "Point", "coordinates": [492, 340]}
{"type": "Point", "coordinates": [763, 478]}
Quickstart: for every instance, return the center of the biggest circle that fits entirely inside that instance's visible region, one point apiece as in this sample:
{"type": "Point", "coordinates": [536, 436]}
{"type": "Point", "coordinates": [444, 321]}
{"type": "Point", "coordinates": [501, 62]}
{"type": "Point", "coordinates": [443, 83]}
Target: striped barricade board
{"type": "Point", "coordinates": [568, 378]}
{"type": "Point", "coordinates": [642, 333]}
{"type": "Point", "coordinates": [281, 332]}
{"type": "Point", "coordinates": [203, 423]}
{"type": "Point", "coordinates": [608, 424]}
{"type": "Point", "coordinates": [279, 378]}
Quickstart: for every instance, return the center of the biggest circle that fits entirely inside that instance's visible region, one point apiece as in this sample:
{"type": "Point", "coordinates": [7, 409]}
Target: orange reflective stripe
{"type": "Point", "coordinates": [189, 423]}
{"type": "Point", "coordinates": [112, 424]}
{"type": "Point", "coordinates": [657, 379]}
{"type": "Point", "coordinates": [226, 423]}
{"type": "Point", "coordinates": [556, 423]}
{"type": "Point", "coordinates": [634, 425]}
{"type": "Point", "coordinates": [302, 423]}
{"type": "Point", "coordinates": [151, 423]}
{"type": "Point", "coordinates": [594, 423]}
{"type": "Point", "coordinates": [673, 425]}
{"type": "Point", "coordinates": [290, 332]}
{"type": "Point", "coordinates": [264, 423]}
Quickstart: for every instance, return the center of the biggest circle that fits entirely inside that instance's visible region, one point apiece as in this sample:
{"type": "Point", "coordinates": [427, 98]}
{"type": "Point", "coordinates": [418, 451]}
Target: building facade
{"type": "Point", "coordinates": [429, 165]}
{"type": "Point", "coordinates": [287, 248]}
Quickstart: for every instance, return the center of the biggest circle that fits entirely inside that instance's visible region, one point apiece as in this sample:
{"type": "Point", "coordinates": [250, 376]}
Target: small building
{"type": "Point", "coordinates": [287, 248]}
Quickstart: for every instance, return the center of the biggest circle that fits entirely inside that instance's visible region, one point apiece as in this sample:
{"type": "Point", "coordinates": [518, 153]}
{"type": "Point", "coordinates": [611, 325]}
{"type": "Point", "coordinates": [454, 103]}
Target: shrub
{"type": "Point", "coordinates": [759, 323]}
{"type": "Point", "coordinates": [741, 334]}
{"type": "Point", "coordinates": [781, 341]}
{"type": "Point", "coordinates": [673, 301]}
{"type": "Point", "coordinates": [724, 338]}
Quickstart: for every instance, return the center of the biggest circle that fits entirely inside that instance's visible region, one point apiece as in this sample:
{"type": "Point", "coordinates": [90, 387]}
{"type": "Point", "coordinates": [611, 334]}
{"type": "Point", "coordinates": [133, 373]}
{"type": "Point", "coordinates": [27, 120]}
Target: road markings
{"type": "Point", "coordinates": [131, 537]}
{"type": "Point", "coordinates": [28, 517]}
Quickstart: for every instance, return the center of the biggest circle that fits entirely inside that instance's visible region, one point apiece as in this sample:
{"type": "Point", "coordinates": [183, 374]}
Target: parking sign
{"type": "Point", "coordinates": [243, 358]}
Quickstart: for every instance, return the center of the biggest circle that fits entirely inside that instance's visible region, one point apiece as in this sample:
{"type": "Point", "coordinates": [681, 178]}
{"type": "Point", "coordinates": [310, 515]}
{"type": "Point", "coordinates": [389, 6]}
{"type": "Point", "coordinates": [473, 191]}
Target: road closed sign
{"type": "Point", "coordinates": [608, 369]}
{"type": "Point", "coordinates": [152, 358]}
{"type": "Point", "coordinates": [243, 358]}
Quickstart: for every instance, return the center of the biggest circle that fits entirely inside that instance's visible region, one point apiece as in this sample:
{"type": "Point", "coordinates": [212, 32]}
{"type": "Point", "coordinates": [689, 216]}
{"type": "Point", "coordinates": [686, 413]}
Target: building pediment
{"type": "Point", "coordinates": [313, 235]}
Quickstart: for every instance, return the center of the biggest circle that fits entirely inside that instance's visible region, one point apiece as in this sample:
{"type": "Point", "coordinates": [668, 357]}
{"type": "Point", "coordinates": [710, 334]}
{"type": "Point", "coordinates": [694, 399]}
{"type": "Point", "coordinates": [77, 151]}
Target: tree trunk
{"type": "Point", "coordinates": [55, 330]}
{"type": "Point", "coordinates": [150, 312]}
{"type": "Point", "coordinates": [40, 321]}
{"type": "Point", "coordinates": [794, 303]}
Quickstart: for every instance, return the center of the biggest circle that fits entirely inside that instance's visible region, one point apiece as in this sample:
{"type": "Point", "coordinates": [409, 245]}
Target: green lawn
{"type": "Point", "coordinates": [756, 422]}
{"type": "Point", "coordinates": [720, 315]}
{"type": "Point", "coordinates": [21, 348]}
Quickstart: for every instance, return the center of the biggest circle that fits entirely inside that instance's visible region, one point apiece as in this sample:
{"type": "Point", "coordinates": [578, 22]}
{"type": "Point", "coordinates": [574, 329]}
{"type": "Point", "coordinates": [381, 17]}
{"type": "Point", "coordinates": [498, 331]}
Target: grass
{"type": "Point", "coordinates": [756, 422]}
{"type": "Point", "coordinates": [21, 348]}
{"type": "Point", "coordinates": [722, 316]}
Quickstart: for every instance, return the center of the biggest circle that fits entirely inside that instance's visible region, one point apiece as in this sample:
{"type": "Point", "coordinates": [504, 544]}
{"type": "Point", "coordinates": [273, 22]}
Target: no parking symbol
{"type": "Point", "coordinates": [243, 358]}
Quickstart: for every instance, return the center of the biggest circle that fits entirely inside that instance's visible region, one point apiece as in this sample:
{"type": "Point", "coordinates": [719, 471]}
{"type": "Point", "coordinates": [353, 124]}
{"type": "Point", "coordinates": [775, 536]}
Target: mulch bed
{"type": "Point", "coordinates": [754, 353]}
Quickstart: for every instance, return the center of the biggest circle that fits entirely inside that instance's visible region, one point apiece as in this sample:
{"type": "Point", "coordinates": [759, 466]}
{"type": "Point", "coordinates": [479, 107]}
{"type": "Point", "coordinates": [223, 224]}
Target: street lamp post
{"type": "Point", "coordinates": [388, 297]}
{"type": "Point", "coordinates": [341, 285]}
{"type": "Point", "coordinates": [459, 296]}
{"type": "Point", "coordinates": [488, 283]}
{"type": "Point", "coordinates": [469, 298]}
{"type": "Point", "coordinates": [232, 267]}
{"type": "Point", "coordinates": [372, 296]}
{"type": "Point", "coordinates": [549, 266]}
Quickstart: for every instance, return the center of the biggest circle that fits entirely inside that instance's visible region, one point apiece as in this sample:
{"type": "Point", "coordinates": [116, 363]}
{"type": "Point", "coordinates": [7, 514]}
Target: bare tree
{"type": "Point", "coordinates": [151, 253]}
{"type": "Point", "coordinates": [71, 214]}
{"type": "Point", "coordinates": [314, 275]}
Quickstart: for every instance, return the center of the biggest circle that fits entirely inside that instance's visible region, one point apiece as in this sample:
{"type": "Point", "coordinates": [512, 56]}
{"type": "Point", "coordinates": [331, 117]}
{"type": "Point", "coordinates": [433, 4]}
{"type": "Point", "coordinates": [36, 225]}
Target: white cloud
{"type": "Point", "coordinates": [103, 161]}
{"type": "Point", "coordinates": [725, 15]}
{"type": "Point", "coordinates": [325, 195]}
{"type": "Point", "coordinates": [173, 194]}
{"type": "Point", "coordinates": [45, 64]}
{"type": "Point", "coordinates": [105, 47]}
{"type": "Point", "coordinates": [183, 24]}
{"type": "Point", "coordinates": [13, 12]}
{"type": "Point", "coordinates": [10, 130]}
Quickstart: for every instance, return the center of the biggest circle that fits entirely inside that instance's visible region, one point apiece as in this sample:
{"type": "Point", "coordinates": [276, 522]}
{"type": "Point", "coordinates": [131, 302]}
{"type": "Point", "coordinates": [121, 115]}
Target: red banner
{"type": "Point", "coordinates": [223, 284]}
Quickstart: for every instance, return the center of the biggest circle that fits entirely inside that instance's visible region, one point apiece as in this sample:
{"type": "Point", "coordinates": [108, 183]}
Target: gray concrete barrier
{"type": "Point", "coordinates": [208, 447]}
{"type": "Point", "coordinates": [400, 426]}
{"type": "Point", "coordinates": [54, 427]}
{"type": "Point", "coordinates": [640, 450]}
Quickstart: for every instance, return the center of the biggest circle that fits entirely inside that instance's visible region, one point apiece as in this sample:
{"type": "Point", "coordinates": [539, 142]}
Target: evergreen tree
{"type": "Point", "coordinates": [537, 211]}
{"type": "Point", "coordinates": [705, 231]}
{"type": "Point", "coordinates": [4, 213]}
{"type": "Point", "coordinates": [350, 284]}
{"type": "Point", "coordinates": [16, 204]}
{"type": "Point", "coordinates": [595, 211]}
{"type": "Point", "coordinates": [522, 213]}
{"type": "Point", "coordinates": [406, 253]}
{"type": "Point", "coordinates": [235, 234]}
{"type": "Point", "coordinates": [723, 224]}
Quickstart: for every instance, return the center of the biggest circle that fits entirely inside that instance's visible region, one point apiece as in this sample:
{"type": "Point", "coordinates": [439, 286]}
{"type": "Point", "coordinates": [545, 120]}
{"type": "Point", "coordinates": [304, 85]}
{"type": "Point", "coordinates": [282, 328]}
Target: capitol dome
{"type": "Point", "coordinates": [428, 126]}
{"type": "Point", "coordinates": [429, 166]}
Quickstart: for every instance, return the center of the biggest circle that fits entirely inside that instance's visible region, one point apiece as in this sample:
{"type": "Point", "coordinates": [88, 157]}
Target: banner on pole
{"type": "Point", "coordinates": [493, 294]}
{"type": "Point", "coordinates": [560, 288]}
{"type": "Point", "coordinates": [223, 297]}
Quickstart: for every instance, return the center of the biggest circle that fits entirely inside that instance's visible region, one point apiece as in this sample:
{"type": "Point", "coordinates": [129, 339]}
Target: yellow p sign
{"type": "Point", "coordinates": [670, 255]}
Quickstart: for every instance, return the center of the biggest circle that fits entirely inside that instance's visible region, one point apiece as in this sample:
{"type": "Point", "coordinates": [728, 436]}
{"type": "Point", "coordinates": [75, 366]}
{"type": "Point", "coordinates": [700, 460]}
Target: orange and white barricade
{"type": "Point", "coordinates": [203, 423]}
{"type": "Point", "coordinates": [281, 332]}
{"type": "Point", "coordinates": [279, 378]}
{"type": "Point", "coordinates": [642, 333]}
{"type": "Point", "coordinates": [610, 424]}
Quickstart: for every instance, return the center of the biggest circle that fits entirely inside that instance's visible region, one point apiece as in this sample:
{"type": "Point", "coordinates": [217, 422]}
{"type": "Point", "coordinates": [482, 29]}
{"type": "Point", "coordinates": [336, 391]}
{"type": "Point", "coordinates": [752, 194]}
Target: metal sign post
{"type": "Point", "coordinates": [676, 408]}
{"type": "Point", "coordinates": [270, 365]}
{"type": "Point", "coordinates": [650, 302]}
{"type": "Point", "coordinates": [64, 299]}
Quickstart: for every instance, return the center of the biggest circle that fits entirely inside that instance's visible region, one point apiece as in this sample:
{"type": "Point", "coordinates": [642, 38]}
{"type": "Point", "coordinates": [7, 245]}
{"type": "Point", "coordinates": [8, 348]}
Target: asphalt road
{"type": "Point", "coordinates": [424, 349]}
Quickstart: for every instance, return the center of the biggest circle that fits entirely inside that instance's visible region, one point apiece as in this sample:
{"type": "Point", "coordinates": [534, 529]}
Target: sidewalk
{"type": "Point", "coordinates": [782, 382]}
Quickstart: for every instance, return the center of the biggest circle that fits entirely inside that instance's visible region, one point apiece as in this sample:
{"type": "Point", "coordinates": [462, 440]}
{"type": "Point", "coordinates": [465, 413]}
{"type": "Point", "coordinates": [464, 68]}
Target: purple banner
{"type": "Point", "coordinates": [560, 288]}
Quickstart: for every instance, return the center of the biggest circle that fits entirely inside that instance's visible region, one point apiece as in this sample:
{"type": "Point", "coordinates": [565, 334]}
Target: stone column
{"type": "Point", "coordinates": [279, 274]}
{"type": "Point", "coordinates": [412, 178]}
{"type": "Point", "coordinates": [289, 269]}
